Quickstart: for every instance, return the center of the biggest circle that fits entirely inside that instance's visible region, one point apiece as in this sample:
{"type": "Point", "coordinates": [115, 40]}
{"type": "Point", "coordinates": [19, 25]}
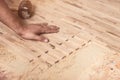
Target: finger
{"type": "Point", "coordinates": [51, 31]}
{"type": "Point", "coordinates": [53, 27]}
{"type": "Point", "coordinates": [47, 29]}
{"type": "Point", "coordinates": [41, 38]}
{"type": "Point", "coordinates": [44, 24]}
{"type": "Point", "coordinates": [35, 37]}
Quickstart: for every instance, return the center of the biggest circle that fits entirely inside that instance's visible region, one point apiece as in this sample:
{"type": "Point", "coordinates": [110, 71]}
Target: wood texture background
{"type": "Point", "coordinates": [86, 48]}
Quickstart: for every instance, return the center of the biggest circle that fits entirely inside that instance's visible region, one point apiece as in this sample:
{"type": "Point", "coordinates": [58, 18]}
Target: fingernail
{"type": "Point", "coordinates": [46, 40]}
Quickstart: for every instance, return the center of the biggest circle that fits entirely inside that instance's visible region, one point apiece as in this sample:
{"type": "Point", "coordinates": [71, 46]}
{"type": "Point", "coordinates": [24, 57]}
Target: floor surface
{"type": "Point", "coordinates": [86, 48]}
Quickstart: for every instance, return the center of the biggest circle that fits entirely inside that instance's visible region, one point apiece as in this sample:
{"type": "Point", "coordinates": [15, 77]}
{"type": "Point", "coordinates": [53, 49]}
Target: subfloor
{"type": "Point", "coordinates": [86, 48]}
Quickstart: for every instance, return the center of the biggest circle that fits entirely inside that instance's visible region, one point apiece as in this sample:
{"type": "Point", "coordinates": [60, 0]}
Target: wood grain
{"type": "Point", "coordinates": [86, 48]}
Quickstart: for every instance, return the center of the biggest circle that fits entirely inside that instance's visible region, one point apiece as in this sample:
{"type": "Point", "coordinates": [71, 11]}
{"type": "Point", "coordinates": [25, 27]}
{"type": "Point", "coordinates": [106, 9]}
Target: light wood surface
{"type": "Point", "coordinates": [86, 48]}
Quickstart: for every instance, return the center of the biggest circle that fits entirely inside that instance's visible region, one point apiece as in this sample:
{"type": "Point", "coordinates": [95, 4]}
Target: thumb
{"type": "Point", "coordinates": [35, 37]}
{"type": "Point", "coordinates": [41, 38]}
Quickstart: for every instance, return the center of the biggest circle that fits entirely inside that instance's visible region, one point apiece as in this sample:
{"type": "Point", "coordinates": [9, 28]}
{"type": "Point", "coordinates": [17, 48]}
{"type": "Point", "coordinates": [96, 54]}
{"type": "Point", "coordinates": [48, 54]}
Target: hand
{"type": "Point", "coordinates": [35, 31]}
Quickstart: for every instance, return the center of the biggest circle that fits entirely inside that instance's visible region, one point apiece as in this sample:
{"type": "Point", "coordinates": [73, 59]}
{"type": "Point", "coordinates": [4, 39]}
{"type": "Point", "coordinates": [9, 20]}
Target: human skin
{"type": "Point", "coordinates": [26, 31]}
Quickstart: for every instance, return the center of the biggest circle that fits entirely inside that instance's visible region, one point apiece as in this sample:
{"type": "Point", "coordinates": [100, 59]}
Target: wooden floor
{"type": "Point", "coordinates": [86, 48]}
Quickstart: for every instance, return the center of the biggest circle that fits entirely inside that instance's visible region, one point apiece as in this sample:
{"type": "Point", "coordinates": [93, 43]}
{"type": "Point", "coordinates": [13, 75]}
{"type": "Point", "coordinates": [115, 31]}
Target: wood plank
{"type": "Point", "coordinates": [86, 48]}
